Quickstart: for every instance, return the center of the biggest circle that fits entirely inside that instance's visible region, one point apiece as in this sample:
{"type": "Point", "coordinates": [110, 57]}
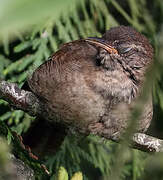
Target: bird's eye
{"type": "Point", "coordinates": [136, 67]}
{"type": "Point", "coordinates": [123, 50]}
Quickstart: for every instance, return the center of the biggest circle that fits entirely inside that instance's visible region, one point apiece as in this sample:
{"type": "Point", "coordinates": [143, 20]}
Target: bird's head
{"type": "Point", "coordinates": [127, 48]}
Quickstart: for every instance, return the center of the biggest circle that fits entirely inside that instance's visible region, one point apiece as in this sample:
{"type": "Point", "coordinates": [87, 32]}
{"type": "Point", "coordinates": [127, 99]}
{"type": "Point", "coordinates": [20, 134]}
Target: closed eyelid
{"type": "Point", "coordinates": [136, 67]}
{"type": "Point", "coordinates": [138, 47]}
{"type": "Point", "coordinates": [123, 50]}
{"type": "Point", "coordinates": [128, 47]}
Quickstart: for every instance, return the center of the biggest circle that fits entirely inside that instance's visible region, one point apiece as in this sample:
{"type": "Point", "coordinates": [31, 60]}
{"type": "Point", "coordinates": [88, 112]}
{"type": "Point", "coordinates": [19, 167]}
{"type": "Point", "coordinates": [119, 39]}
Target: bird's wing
{"type": "Point", "coordinates": [60, 67]}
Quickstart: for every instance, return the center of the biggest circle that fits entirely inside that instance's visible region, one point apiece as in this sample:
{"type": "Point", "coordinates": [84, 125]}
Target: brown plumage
{"type": "Point", "coordinates": [91, 84]}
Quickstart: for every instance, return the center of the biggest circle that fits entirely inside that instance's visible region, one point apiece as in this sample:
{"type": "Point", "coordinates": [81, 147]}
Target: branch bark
{"type": "Point", "coordinates": [147, 143]}
{"type": "Point", "coordinates": [19, 98]}
{"type": "Point", "coordinates": [28, 102]}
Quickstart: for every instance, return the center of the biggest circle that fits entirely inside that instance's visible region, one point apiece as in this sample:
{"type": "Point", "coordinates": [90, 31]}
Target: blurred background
{"type": "Point", "coordinates": [31, 30]}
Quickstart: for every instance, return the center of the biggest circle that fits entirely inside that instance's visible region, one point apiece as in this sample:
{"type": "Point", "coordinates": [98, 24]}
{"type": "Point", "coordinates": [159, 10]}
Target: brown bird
{"type": "Point", "coordinates": [91, 84]}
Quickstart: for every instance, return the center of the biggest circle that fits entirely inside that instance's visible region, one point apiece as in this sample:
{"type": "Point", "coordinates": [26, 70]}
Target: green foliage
{"type": "Point", "coordinates": [77, 176]}
{"type": "Point", "coordinates": [3, 156]}
{"type": "Point", "coordinates": [62, 174]}
{"type": "Point", "coordinates": [32, 30]}
{"type": "Point", "coordinates": [19, 15]}
{"type": "Point", "coordinates": [97, 155]}
{"type": "Point", "coordinates": [4, 159]}
{"type": "Point", "coordinates": [20, 150]}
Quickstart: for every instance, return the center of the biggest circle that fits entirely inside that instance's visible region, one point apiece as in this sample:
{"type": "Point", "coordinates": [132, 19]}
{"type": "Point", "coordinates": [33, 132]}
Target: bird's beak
{"type": "Point", "coordinates": [102, 43]}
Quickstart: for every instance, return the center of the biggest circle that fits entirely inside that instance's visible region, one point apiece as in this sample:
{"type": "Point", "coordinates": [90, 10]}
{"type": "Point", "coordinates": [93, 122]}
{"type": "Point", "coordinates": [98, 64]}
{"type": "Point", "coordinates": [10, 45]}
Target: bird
{"type": "Point", "coordinates": [91, 85]}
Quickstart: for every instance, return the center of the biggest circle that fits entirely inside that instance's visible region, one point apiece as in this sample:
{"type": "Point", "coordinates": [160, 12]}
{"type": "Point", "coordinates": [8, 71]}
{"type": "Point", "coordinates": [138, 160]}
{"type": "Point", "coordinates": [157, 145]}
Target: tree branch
{"type": "Point", "coordinates": [147, 143]}
{"type": "Point", "coordinates": [28, 102]}
{"type": "Point", "coordinates": [20, 99]}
